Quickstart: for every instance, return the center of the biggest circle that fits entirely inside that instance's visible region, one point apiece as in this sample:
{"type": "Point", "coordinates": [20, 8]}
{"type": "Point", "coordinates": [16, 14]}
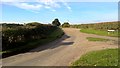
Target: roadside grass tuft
{"type": "Point", "coordinates": [97, 39]}
{"type": "Point", "coordinates": [108, 57]}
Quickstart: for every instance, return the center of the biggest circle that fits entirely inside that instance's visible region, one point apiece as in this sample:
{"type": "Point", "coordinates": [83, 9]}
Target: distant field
{"type": "Point", "coordinates": [108, 57]}
{"type": "Point", "coordinates": [100, 32]}
{"type": "Point", "coordinates": [100, 28]}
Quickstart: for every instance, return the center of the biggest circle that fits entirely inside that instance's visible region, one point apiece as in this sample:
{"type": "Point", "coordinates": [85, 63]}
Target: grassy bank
{"type": "Point", "coordinates": [108, 57]}
{"type": "Point", "coordinates": [97, 39]}
{"type": "Point", "coordinates": [100, 32]}
{"type": "Point", "coordinates": [31, 45]}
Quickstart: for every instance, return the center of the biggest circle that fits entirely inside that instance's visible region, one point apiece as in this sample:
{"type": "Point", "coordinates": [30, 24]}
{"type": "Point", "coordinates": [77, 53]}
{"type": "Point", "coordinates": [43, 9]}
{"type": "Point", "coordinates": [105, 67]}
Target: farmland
{"type": "Point", "coordinates": [100, 28]}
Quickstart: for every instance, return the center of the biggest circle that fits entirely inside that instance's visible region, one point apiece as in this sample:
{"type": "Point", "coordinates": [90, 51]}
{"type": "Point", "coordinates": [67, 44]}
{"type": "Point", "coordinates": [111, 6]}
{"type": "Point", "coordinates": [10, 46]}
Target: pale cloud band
{"type": "Point", "coordinates": [47, 4]}
{"type": "Point", "coordinates": [60, 0]}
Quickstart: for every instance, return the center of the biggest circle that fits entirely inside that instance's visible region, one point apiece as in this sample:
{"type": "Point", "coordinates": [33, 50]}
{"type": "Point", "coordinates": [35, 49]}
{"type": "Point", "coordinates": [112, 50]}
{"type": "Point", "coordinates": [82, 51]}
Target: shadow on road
{"type": "Point", "coordinates": [67, 43]}
{"type": "Point", "coordinates": [54, 44]}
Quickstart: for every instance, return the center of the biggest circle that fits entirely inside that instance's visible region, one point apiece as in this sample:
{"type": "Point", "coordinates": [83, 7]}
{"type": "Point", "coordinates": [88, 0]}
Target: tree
{"type": "Point", "coordinates": [56, 22]}
{"type": "Point", "coordinates": [33, 24]}
{"type": "Point", "coordinates": [66, 24]}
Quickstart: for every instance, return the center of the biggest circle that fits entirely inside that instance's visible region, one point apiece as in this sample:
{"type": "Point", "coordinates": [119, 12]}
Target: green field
{"type": "Point", "coordinates": [100, 32]}
{"type": "Point", "coordinates": [96, 39]}
{"type": "Point", "coordinates": [108, 57]}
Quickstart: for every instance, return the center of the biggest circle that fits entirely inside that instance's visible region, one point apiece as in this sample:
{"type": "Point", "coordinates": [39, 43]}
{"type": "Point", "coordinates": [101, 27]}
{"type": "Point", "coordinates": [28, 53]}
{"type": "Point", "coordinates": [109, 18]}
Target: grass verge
{"type": "Point", "coordinates": [108, 57]}
{"type": "Point", "coordinates": [99, 32]}
{"type": "Point", "coordinates": [97, 39]}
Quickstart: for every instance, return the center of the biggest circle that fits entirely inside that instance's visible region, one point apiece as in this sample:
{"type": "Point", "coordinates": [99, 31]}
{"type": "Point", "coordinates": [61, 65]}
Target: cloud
{"type": "Point", "coordinates": [48, 7]}
{"type": "Point", "coordinates": [54, 3]}
{"type": "Point", "coordinates": [39, 4]}
{"type": "Point", "coordinates": [28, 6]}
{"type": "Point", "coordinates": [60, 0]}
{"type": "Point", "coordinates": [13, 0]}
{"type": "Point", "coordinates": [67, 6]}
{"type": "Point", "coordinates": [50, 3]}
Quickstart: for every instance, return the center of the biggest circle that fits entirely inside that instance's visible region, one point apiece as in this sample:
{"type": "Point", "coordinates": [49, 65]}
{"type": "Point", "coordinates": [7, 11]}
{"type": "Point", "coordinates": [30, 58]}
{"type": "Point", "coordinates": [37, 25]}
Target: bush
{"type": "Point", "coordinates": [16, 37]}
{"type": "Point", "coordinates": [66, 24]}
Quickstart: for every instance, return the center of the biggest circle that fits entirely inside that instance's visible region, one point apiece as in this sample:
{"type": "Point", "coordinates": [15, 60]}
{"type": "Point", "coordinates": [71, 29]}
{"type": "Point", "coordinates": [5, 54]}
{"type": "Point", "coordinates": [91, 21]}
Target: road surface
{"type": "Point", "coordinates": [60, 52]}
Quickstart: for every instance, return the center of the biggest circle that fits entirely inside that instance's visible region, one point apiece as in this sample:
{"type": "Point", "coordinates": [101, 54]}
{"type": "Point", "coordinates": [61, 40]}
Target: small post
{"type": "Point", "coordinates": [108, 32]}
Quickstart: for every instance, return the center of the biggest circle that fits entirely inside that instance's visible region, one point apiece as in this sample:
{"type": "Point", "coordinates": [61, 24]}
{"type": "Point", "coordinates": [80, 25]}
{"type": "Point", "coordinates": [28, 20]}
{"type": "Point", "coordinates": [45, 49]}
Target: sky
{"type": "Point", "coordinates": [45, 11]}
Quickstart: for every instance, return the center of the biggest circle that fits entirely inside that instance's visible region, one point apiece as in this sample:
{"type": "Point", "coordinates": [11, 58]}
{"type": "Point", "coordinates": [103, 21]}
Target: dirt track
{"type": "Point", "coordinates": [60, 52]}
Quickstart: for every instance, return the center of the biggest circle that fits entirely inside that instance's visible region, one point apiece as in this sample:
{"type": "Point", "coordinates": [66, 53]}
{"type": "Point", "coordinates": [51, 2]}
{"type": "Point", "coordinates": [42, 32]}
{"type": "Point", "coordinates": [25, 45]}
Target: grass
{"type": "Point", "coordinates": [99, 32]}
{"type": "Point", "coordinates": [53, 36]}
{"type": "Point", "coordinates": [96, 39]}
{"type": "Point", "coordinates": [108, 57]}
